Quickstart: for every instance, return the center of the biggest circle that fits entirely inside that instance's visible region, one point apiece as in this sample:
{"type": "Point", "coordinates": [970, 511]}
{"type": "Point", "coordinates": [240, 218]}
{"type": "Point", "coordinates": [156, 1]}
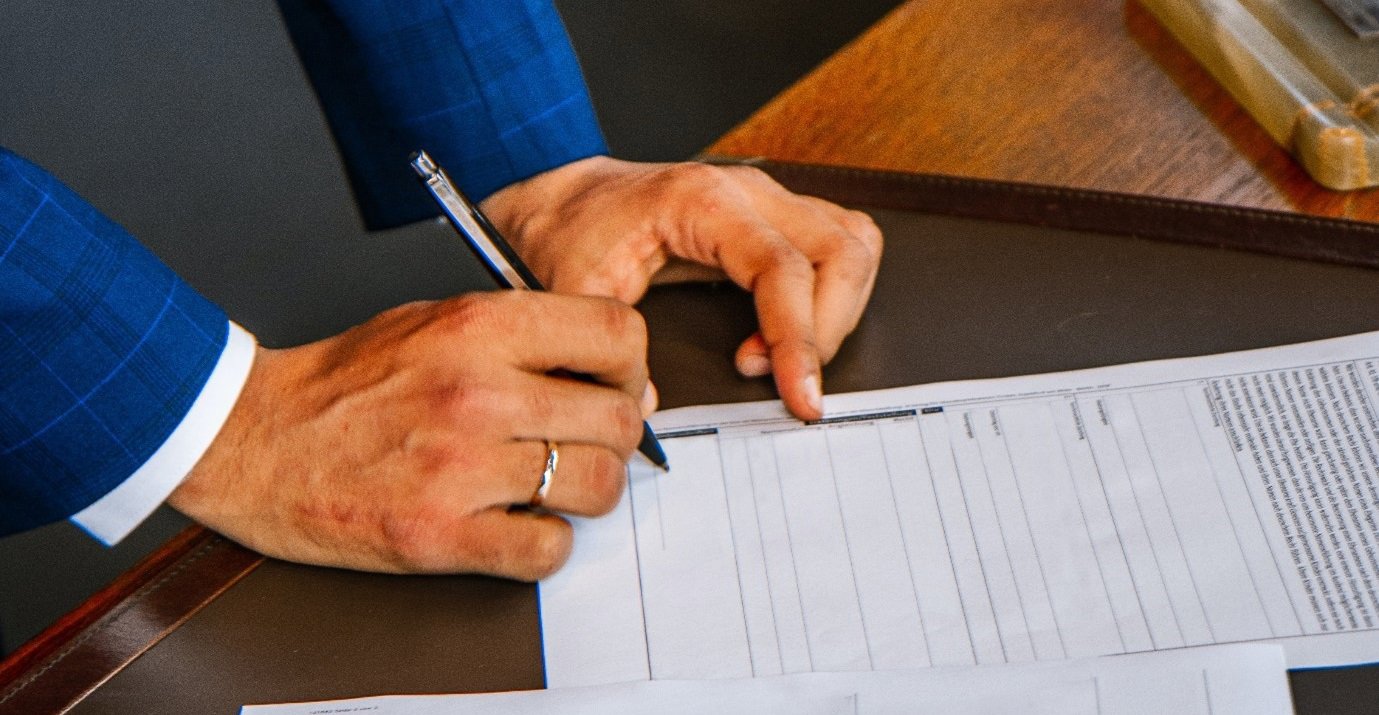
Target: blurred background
{"type": "Point", "coordinates": [190, 123]}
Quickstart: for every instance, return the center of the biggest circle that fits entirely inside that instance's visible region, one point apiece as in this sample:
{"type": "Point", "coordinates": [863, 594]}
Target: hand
{"type": "Point", "coordinates": [403, 445]}
{"type": "Point", "coordinates": [600, 226]}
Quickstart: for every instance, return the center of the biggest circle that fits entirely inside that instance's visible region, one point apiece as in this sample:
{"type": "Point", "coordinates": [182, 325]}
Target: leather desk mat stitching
{"type": "Point", "coordinates": [78, 660]}
{"type": "Point", "coordinates": [202, 566]}
{"type": "Point", "coordinates": [101, 625]}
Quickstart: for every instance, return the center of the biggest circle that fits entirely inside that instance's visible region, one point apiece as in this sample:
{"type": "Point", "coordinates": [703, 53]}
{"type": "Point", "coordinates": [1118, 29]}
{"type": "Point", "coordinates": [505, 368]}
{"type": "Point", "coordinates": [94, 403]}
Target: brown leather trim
{"type": "Point", "coordinates": [1276, 232]}
{"type": "Point", "coordinates": [59, 667]}
{"type": "Point", "coordinates": [100, 603]}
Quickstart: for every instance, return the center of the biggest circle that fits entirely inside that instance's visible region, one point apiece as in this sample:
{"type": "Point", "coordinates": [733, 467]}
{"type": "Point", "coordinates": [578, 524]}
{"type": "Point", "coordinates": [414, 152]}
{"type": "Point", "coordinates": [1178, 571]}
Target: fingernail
{"type": "Point", "coordinates": [813, 394]}
{"type": "Point", "coordinates": [650, 400]}
{"type": "Point", "coordinates": [754, 365]}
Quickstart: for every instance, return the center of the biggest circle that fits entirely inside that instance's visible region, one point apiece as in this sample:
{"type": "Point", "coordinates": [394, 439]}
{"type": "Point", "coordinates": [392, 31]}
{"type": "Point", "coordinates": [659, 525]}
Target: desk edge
{"type": "Point", "coordinates": [121, 621]}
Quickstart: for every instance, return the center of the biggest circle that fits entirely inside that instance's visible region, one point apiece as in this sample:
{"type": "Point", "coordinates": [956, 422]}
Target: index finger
{"type": "Point", "coordinates": [844, 247]}
{"type": "Point", "coordinates": [781, 280]}
{"type": "Point", "coordinates": [597, 337]}
{"type": "Point", "coordinates": [846, 255]}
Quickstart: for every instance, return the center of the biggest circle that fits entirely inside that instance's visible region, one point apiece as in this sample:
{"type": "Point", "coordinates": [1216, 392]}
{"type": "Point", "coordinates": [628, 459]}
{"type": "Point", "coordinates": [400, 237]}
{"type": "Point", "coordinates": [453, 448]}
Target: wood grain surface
{"type": "Point", "coordinates": [1082, 93]}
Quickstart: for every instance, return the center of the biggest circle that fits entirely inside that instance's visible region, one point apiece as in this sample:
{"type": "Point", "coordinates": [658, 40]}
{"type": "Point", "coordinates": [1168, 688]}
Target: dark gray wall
{"type": "Point", "coordinates": [190, 123]}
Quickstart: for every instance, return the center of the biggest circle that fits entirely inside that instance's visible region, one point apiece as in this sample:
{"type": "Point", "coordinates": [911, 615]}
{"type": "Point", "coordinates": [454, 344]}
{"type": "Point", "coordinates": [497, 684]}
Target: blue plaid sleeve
{"type": "Point", "coordinates": [491, 89]}
{"type": "Point", "coordinates": [102, 350]}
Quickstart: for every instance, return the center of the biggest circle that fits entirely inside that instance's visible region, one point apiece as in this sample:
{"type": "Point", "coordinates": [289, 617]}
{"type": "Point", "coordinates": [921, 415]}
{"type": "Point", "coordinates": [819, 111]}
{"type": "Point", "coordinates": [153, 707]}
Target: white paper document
{"type": "Point", "coordinates": [1222, 680]}
{"type": "Point", "coordinates": [1155, 506]}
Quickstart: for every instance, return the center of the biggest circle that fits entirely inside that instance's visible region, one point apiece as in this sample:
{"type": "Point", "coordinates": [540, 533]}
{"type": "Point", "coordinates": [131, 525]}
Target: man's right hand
{"type": "Point", "coordinates": [403, 445]}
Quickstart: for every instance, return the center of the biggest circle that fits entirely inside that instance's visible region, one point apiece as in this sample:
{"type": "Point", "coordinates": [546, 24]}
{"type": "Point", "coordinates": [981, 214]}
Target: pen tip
{"type": "Point", "coordinates": [651, 449]}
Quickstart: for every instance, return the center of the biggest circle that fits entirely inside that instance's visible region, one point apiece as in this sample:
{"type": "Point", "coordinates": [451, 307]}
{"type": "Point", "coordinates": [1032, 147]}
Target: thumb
{"type": "Point", "coordinates": [753, 359]}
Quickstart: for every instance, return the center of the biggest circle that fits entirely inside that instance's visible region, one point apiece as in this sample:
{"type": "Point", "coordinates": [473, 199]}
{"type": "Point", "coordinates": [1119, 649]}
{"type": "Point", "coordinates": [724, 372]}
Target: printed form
{"type": "Point", "coordinates": [1155, 506]}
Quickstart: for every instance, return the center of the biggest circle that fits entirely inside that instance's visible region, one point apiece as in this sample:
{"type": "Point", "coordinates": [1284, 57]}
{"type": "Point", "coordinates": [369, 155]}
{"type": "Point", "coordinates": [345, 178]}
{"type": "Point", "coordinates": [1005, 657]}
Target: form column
{"type": "Point", "coordinates": [695, 626]}
{"type": "Point", "coordinates": [890, 609]}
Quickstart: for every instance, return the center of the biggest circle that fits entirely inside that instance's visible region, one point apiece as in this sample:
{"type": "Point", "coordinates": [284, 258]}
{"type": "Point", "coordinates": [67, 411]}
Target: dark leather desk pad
{"type": "Point", "coordinates": [958, 297]}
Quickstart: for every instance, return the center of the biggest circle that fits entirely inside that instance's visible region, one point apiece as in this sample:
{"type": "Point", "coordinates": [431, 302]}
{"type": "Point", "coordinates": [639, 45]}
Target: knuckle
{"type": "Point", "coordinates": [862, 226]}
{"type": "Point", "coordinates": [591, 283]}
{"type": "Point", "coordinates": [622, 323]}
{"type": "Point", "coordinates": [748, 173]}
{"type": "Point", "coordinates": [858, 262]}
{"type": "Point", "coordinates": [695, 173]}
{"type": "Point", "coordinates": [407, 541]}
{"type": "Point", "coordinates": [432, 459]}
{"type": "Point", "coordinates": [613, 317]}
{"type": "Point", "coordinates": [787, 257]}
{"type": "Point", "coordinates": [606, 483]}
{"type": "Point", "coordinates": [701, 186]}
{"type": "Point", "coordinates": [626, 421]}
{"type": "Point", "coordinates": [405, 312]}
{"type": "Point", "coordinates": [470, 315]}
{"type": "Point", "coordinates": [540, 407]}
{"type": "Point", "coordinates": [435, 458]}
{"type": "Point", "coordinates": [707, 202]}
{"type": "Point", "coordinates": [635, 331]}
{"type": "Point", "coordinates": [466, 403]}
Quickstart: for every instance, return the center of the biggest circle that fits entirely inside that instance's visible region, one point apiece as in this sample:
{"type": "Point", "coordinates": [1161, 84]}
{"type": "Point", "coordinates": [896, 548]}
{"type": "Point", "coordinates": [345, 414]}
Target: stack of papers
{"type": "Point", "coordinates": [1179, 529]}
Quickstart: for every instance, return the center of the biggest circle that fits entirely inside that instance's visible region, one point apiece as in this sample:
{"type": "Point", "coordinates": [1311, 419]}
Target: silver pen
{"type": "Point", "coordinates": [502, 262]}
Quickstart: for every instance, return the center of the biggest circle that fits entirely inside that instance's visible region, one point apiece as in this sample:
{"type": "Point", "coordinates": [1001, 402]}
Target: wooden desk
{"type": "Point", "coordinates": [1084, 93]}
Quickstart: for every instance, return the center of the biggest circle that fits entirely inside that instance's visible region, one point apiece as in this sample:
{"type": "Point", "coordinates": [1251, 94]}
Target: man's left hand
{"type": "Point", "coordinates": [606, 227]}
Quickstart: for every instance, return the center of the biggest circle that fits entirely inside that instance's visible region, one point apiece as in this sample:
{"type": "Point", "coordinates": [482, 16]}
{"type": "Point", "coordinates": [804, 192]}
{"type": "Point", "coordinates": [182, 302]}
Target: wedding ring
{"type": "Point", "coordinates": [547, 474]}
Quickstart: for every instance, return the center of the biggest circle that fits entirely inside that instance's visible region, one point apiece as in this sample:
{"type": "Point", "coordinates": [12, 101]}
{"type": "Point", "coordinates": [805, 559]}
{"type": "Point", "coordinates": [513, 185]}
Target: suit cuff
{"type": "Point", "coordinates": [114, 515]}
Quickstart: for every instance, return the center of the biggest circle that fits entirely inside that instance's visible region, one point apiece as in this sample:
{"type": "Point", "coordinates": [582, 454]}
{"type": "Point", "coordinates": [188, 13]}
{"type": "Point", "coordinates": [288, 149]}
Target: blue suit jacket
{"type": "Point", "coordinates": [103, 349]}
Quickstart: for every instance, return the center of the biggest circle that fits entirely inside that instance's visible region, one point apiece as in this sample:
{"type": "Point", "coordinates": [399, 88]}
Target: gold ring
{"type": "Point", "coordinates": [547, 474]}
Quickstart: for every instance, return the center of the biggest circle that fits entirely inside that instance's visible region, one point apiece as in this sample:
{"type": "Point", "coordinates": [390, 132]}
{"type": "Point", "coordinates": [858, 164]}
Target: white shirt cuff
{"type": "Point", "coordinates": [117, 513]}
